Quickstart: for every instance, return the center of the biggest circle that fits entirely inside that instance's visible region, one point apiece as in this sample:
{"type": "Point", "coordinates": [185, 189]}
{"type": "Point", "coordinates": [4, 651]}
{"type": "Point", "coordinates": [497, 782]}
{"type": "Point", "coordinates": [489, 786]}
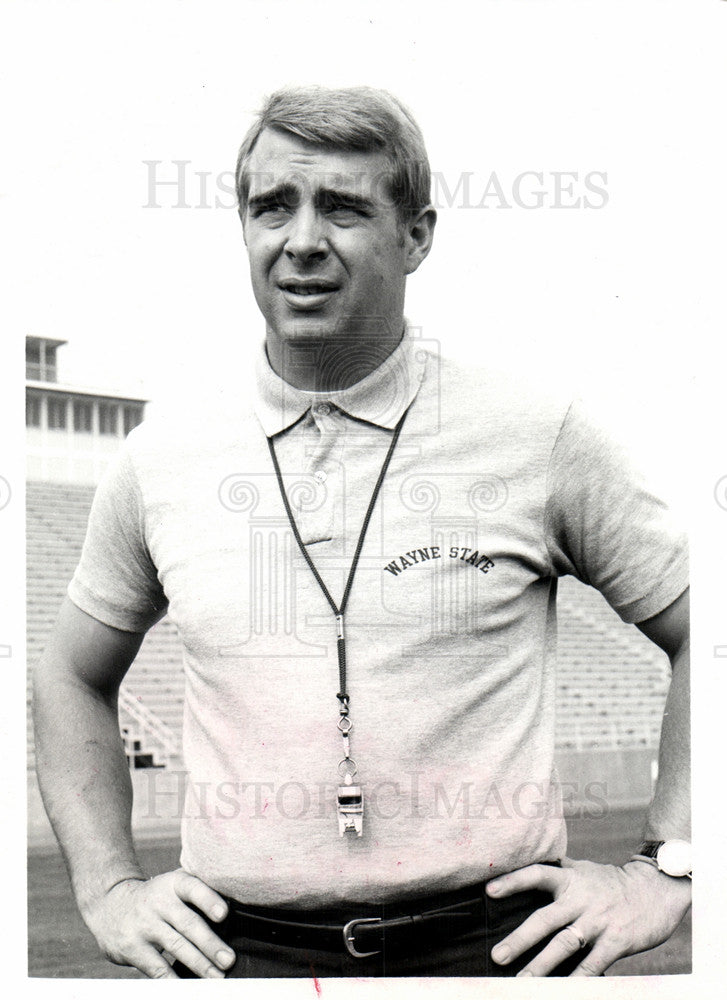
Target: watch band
{"type": "Point", "coordinates": [650, 848]}
{"type": "Point", "coordinates": [672, 857]}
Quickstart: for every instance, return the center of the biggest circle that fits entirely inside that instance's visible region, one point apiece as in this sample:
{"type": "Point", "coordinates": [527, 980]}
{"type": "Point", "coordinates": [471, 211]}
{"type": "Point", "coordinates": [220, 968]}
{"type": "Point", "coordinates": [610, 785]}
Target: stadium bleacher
{"type": "Point", "coordinates": [56, 525]}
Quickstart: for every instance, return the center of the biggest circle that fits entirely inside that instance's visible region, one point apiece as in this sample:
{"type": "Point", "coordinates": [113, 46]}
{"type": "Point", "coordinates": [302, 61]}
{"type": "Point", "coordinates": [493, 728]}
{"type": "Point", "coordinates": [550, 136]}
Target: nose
{"type": "Point", "coordinates": [306, 238]}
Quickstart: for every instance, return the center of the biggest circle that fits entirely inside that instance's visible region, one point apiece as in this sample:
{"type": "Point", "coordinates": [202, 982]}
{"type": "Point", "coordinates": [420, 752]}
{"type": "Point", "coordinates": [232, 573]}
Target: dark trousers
{"type": "Point", "coordinates": [468, 955]}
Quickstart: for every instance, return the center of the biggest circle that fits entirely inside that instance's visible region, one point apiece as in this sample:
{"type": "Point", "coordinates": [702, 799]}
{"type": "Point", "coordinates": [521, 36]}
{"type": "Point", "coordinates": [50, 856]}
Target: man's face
{"type": "Point", "coordinates": [328, 253]}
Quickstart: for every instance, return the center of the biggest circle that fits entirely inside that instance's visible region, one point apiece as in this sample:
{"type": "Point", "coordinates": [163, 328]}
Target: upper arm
{"type": "Point", "coordinates": [670, 628]}
{"type": "Point", "coordinates": [84, 650]}
{"type": "Point", "coordinates": [605, 525]}
{"type": "Point", "coordinates": [116, 580]}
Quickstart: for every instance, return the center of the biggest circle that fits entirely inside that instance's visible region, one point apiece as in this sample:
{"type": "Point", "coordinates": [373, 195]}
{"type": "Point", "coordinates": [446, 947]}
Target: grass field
{"type": "Point", "coordinates": [59, 946]}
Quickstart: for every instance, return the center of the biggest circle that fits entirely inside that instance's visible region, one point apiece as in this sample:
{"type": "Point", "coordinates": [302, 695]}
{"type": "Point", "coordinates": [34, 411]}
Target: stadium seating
{"type": "Point", "coordinates": [56, 525]}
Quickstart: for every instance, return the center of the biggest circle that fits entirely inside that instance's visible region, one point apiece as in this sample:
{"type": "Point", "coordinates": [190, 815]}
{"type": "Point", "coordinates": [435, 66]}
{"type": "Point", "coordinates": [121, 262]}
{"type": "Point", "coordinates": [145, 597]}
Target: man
{"type": "Point", "coordinates": [377, 732]}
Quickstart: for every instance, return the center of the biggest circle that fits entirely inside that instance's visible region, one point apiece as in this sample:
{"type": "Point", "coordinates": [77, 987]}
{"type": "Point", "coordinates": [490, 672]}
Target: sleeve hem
{"type": "Point", "coordinates": [657, 601]}
{"type": "Point", "coordinates": [119, 618]}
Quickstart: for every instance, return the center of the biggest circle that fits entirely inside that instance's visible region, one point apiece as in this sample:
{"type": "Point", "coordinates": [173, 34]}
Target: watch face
{"type": "Point", "coordinates": [674, 857]}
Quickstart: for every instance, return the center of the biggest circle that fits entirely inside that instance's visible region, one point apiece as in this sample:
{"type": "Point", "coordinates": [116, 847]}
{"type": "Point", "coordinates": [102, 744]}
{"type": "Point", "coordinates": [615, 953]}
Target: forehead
{"type": "Point", "coordinates": [280, 158]}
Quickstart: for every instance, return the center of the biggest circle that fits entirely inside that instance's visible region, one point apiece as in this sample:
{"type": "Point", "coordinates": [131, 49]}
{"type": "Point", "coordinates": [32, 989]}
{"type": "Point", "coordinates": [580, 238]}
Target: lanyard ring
{"type": "Point", "coordinates": [347, 768]}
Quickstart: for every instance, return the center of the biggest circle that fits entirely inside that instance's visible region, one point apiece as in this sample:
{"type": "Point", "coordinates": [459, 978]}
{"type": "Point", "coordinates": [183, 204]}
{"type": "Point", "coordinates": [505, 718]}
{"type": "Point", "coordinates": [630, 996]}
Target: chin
{"type": "Point", "coordinates": [306, 328]}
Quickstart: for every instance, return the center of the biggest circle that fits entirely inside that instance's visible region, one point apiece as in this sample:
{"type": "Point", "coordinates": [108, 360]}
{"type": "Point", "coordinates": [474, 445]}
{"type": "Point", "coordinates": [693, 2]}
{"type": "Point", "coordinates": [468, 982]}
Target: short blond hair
{"type": "Point", "coordinates": [352, 119]}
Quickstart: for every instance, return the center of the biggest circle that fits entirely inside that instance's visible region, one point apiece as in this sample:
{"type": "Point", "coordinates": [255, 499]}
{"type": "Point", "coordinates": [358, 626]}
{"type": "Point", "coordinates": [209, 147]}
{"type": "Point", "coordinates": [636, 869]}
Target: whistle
{"type": "Point", "coordinates": [350, 810]}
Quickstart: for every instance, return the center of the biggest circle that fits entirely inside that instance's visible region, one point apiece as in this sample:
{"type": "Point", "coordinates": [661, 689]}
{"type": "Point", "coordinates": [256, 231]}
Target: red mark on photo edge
{"type": "Point", "coordinates": [316, 984]}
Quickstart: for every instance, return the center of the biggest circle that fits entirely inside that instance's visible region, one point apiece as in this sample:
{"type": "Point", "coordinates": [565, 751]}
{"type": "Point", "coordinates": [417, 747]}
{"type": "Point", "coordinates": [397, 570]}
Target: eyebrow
{"type": "Point", "coordinates": [279, 193]}
{"type": "Point", "coordinates": [288, 193]}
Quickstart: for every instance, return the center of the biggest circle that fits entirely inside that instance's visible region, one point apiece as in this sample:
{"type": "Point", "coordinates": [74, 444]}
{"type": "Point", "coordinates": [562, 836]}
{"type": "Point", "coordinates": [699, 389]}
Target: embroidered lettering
{"type": "Point", "coordinates": [414, 557]}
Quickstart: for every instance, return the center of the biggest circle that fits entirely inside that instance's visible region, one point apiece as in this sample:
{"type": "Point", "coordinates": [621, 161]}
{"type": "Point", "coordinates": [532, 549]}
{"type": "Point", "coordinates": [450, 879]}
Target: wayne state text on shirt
{"type": "Point", "coordinates": [481, 562]}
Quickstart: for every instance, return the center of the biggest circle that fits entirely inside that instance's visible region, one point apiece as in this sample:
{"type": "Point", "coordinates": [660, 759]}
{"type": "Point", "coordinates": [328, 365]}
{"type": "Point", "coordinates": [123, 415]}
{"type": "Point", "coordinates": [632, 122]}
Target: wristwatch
{"type": "Point", "coordinates": [673, 857]}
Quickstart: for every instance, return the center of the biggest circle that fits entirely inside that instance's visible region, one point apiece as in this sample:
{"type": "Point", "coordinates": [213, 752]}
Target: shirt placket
{"type": "Point", "coordinates": [319, 519]}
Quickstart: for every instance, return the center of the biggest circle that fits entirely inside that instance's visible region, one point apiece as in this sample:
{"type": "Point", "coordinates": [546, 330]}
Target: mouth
{"type": "Point", "coordinates": [308, 287]}
{"type": "Point", "coordinates": [306, 295]}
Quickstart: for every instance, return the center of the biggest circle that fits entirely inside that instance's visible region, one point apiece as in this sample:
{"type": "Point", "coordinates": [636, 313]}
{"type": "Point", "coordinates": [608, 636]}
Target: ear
{"type": "Point", "coordinates": [419, 233]}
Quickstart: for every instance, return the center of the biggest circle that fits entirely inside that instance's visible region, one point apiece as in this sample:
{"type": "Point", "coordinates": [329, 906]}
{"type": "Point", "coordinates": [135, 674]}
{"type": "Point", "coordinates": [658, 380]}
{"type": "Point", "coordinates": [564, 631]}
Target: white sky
{"type": "Point", "coordinates": [625, 300]}
{"type": "Point", "coordinates": [153, 300]}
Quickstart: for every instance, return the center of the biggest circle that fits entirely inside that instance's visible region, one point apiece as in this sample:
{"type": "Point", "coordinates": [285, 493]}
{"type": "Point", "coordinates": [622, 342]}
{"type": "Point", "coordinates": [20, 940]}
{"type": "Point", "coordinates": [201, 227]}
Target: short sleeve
{"type": "Point", "coordinates": [605, 526]}
{"type": "Point", "coordinates": [115, 581]}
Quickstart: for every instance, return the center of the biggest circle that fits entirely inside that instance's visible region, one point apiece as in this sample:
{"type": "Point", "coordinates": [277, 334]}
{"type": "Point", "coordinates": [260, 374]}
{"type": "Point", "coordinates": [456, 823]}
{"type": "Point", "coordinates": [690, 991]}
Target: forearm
{"type": "Point", "coordinates": [84, 781]}
{"type": "Point", "coordinates": [618, 911]}
{"type": "Point", "coordinates": [86, 788]}
{"type": "Point", "coordinates": [669, 813]}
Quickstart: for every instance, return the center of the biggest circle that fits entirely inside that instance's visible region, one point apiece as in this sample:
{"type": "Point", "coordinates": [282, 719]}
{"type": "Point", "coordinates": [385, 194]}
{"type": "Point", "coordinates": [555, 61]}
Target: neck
{"type": "Point", "coordinates": [333, 363]}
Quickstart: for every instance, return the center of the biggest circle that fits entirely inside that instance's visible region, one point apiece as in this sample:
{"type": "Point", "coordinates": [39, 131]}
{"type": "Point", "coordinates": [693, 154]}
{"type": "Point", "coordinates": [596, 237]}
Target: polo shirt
{"type": "Point", "coordinates": [495, 489]}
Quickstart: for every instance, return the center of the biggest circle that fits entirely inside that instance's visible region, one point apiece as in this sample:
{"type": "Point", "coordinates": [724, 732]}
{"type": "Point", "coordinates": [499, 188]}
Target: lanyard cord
{"type": "Point", "coordinates": [338, 610]}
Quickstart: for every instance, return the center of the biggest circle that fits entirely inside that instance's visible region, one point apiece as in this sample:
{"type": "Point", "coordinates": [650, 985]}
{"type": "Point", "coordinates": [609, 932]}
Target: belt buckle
{"type": "Point", "coordinates": [348, 936]}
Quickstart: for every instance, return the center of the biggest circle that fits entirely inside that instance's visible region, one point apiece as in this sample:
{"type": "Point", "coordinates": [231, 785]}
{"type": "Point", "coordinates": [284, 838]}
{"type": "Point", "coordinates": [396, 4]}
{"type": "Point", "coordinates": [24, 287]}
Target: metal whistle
{"type": "Point", "coordinates": [350, 810]}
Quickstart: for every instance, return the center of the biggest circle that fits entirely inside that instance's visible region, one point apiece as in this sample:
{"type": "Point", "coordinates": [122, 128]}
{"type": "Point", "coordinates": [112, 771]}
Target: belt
{"type": "Point", "coordinates": [368, 929]}
{"type": "Point", "coordinates": [362, 936]}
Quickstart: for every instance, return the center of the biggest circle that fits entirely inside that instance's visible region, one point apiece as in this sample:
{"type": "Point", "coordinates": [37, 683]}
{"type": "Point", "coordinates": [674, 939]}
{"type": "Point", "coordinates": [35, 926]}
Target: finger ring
{"type": "Point", "coordinates": [581, 940]}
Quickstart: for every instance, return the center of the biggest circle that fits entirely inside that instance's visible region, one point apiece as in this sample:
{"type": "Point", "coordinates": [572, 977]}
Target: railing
{"type": "Point", "coordinates": [155, 735]}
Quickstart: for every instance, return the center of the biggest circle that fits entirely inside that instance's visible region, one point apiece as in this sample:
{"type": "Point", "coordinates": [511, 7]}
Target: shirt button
{"type": "Point", "coordinates": [320, 475]}
{"type": "Point", "coordinates": [323, 409]}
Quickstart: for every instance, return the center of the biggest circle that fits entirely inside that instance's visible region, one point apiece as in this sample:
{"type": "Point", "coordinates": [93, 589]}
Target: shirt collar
{"type": "Point", "coordinates": [380, 399]}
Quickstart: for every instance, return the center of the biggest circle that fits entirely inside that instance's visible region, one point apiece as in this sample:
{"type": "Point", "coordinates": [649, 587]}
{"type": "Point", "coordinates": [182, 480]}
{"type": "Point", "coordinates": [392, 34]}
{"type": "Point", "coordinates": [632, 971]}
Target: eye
{"type": "Point", "coordinates": [270, 210]}
{"type": "Point", "coordinates": [345, 211]}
